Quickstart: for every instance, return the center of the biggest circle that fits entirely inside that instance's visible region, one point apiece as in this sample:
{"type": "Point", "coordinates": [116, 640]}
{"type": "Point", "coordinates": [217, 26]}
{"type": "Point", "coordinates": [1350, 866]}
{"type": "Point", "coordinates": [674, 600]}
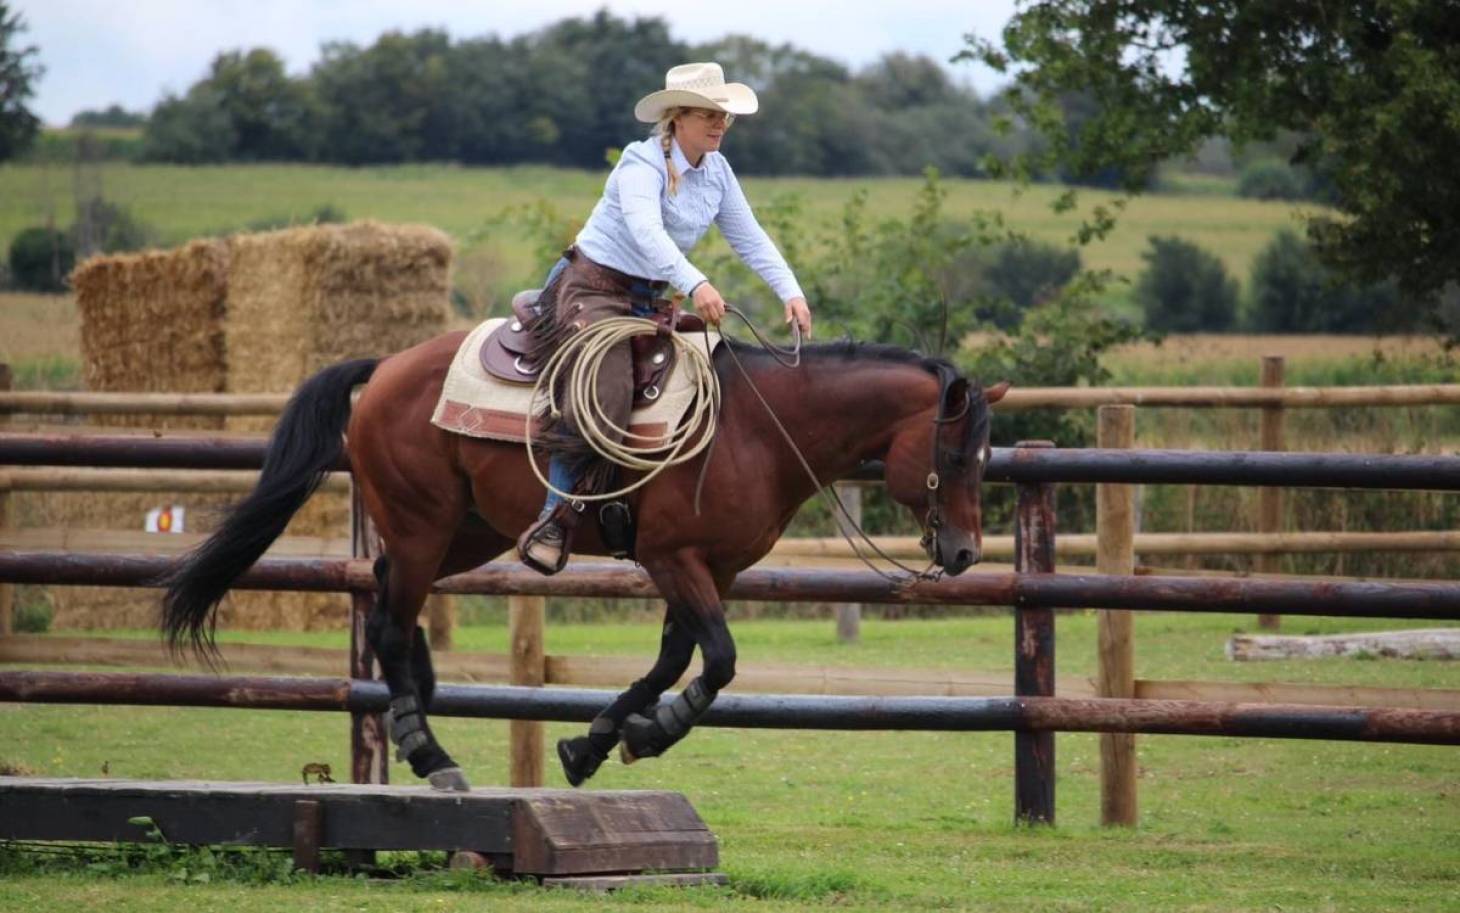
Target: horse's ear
{"type": "Point", "coordinates": [996, 392]}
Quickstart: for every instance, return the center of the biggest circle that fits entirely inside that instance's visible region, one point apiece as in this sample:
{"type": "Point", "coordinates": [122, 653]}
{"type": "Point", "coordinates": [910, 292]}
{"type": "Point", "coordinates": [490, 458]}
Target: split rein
{"type": "Point", "coordinates": [581, 356]}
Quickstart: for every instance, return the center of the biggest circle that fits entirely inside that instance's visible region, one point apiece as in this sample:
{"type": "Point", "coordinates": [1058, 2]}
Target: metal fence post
{"type": "Point", "coordinates": [1034, 651]}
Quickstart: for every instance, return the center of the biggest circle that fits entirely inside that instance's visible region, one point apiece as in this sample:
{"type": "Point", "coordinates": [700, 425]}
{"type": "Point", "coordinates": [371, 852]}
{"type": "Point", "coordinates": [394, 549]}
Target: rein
{"type": "Point", "coordinates": [839, 509]}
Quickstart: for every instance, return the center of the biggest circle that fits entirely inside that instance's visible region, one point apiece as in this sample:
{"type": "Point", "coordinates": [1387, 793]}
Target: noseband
{"type": "Point", "coordinates": [933, 519]}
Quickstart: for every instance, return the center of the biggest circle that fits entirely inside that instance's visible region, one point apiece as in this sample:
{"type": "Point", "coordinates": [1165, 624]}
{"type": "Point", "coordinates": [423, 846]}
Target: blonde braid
{"type": "Point", "coordinates": [665, 130]}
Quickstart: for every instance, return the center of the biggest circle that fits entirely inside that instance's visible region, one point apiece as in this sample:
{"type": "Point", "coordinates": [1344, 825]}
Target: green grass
{"type": "Point", "coordinates": [183, 202]}
{"type": "Point", "coordinates": [868, 821]}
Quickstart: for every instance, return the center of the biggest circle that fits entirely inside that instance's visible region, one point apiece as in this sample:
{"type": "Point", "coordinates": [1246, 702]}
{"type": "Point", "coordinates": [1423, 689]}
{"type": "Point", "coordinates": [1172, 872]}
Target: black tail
{"type": "Point", "coordinates": [306, 443]}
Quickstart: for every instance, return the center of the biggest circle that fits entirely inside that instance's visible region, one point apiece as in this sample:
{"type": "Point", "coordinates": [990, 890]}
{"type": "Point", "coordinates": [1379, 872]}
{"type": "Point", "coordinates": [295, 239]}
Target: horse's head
{"type": "Point", "coordinates": [935, 467]}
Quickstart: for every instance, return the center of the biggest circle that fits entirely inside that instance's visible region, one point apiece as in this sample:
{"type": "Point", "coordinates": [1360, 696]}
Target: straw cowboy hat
{"type": "Point", "coordinates": [697, 85]}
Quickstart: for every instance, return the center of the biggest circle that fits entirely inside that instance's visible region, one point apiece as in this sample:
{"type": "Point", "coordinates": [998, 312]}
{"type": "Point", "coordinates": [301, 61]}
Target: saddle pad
{"type": "Point", "coordinates": [476, 404]}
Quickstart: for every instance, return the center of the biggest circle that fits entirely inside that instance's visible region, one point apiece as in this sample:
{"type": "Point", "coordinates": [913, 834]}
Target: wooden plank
{"type": "Point", "coordinates": [606, 883]}
{"type": "Point", "coordinates": [540, 832]}
{"type": "Point", "coordinates": [626, 832]}
{"type": "Point", "coordinates": [1115, 529]}
{"type": "Point", "coordinates": [191, 812]}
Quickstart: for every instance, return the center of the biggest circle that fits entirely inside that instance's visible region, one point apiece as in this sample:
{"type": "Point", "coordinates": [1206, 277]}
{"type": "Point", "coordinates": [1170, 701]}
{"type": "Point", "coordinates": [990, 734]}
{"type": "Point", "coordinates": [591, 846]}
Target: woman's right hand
{"type": "Point", "coordinates": [708, 303]}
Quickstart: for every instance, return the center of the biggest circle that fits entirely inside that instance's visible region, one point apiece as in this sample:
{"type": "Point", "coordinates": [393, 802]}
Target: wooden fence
{"type": "Point", "coordinates": [1034, 592]}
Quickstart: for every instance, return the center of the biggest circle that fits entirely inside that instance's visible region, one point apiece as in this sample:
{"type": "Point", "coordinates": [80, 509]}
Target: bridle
{"type": "Point", "coordinates": [933, 518]}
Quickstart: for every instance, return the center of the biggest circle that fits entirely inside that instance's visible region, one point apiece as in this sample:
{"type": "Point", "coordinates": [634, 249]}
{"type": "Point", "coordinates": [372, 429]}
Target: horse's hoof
{"type": "Point", "coordinates": [639, 739]}
{"type": "Point", "coordinates": [578, 759]}
{"type": "Point", "coordinates": [449, 780]}
{"type": "Point", "coordinates": [624, 755]}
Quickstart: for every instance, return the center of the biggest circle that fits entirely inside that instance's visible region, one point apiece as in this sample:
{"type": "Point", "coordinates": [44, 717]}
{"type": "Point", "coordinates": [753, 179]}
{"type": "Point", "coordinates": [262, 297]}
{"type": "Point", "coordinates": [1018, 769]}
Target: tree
{"type": "Point", "coordinates": [1370, 86]}
{"type": "Point", "coordinates": [1292, 292]}
{"type": "Point", "coordinates": [270, 115]}
{"type": "Point", "coordinates": [18, 73]}
{"type": "Point", "coordinates": [387, 102]}
{"type": "Point", "coordinates": [1185, 289]}
{"type": "Point", "coordinates": [113, 115]}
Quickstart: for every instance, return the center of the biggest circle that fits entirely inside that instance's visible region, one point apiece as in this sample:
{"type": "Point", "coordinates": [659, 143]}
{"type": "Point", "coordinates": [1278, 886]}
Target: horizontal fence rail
{"type": "Point", "coordinates": [1153, 593]}
{"type": "Point", "coordinates": [933, 714]}
{"type": "Point", "coordinates": [1020, 465]}
{"type": "Point", "coordinates": [1017, 399]}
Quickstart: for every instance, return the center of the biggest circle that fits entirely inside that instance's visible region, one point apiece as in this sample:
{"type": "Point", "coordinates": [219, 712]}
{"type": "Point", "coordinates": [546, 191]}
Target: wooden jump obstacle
{"type": "Point", "coordinates": [562, 837]}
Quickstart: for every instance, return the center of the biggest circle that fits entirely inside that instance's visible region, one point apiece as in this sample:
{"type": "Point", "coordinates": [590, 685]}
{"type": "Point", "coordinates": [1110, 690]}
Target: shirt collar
{"type": "Point", "coordinates": [680, 161]}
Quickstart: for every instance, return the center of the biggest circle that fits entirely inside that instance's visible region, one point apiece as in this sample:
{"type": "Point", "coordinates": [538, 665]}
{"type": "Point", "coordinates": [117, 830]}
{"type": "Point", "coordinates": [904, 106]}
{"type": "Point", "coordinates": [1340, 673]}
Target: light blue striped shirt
{"type": "Point", "coordinates": [639, 229]}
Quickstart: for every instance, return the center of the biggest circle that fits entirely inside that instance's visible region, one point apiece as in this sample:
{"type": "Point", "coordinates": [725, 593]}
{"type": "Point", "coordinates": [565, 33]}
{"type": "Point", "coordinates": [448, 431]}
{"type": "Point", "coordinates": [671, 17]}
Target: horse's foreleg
{"type": "Point", "coordinates": [652, 734]}
{"type": "Point", "coordinates": [582, 755]}
{"type": "Point", "coordinates": [401, 649]}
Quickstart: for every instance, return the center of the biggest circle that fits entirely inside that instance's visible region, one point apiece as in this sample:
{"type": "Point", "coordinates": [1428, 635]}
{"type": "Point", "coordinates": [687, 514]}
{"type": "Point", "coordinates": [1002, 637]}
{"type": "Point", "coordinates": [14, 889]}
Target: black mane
{"type": "Point", "coordinates": [854, 350]}
{"type": "Point", "coordinates": [851, 350]}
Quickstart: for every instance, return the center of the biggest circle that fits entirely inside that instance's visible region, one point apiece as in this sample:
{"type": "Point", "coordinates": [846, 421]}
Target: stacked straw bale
{"type": "Point", "coordinates": [300, 300]}
{"type": "Point", "coordinates": [150, 322]}
{"type": "Point", "coordinates": [257, 313]}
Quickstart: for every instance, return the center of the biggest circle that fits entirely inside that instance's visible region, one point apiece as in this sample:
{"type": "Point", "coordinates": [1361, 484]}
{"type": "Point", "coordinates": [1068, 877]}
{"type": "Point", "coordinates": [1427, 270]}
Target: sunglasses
{"type": "Point", "coordinates": [712, 117]}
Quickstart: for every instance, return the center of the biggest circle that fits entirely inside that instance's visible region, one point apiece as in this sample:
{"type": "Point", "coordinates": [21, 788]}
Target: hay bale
{"type": "Point", "coordinates": [256, 313]}
{"type": "Point", "coordinates": [302, 299]}
{"type": "Point", "coordinates": [150, 322]}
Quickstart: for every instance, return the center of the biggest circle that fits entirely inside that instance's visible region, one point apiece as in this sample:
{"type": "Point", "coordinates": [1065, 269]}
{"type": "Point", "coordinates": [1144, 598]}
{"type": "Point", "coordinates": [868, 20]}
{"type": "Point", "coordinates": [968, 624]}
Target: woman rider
{"type": "Point", "coordinates": [657, 203]}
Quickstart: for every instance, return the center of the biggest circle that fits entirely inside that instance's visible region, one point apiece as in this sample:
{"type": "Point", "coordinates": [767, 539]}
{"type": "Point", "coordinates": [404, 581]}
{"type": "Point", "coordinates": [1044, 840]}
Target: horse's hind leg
{"type": "Point", "coordinates": [582, 755]}
{"type": "Point", "coordinates": [399, 645]}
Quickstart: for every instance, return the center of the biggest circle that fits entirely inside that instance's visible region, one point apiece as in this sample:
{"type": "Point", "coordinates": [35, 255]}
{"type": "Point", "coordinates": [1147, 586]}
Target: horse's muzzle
{"type": "Point", "coordinates": [954, 551]}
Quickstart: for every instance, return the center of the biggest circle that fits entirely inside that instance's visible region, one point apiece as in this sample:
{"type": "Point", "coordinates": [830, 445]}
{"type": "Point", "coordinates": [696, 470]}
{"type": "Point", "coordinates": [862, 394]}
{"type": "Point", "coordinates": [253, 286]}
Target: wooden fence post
{"type": "Point", "coordinates": [849, 614]}
{"type": "Point", "coordinates": [1034, 651]}
{"type": "Point", "coordinates": [369, 747]}
{"type": "Point", "coordinates": [1115, 554]}
{"type": "Point", "coordinates": [440, 620]}
{"type": "Point", "coordinates": [7, 591]}
{"type": "Point", "coordinates": [525, 737]}
{"type": "Point", "coordinates": [1270, 499]}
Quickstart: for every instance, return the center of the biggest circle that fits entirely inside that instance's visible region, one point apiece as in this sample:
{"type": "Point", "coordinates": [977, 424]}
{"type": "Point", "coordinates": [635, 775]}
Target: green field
{"type": "Point", "coordinates": [871, 821]}
{"type": "Point", "coordinates": [184, 202]}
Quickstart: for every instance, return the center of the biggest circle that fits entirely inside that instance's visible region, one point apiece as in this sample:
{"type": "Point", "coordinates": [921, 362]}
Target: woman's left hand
{"type": "Point", "coordinates": [799, 312]}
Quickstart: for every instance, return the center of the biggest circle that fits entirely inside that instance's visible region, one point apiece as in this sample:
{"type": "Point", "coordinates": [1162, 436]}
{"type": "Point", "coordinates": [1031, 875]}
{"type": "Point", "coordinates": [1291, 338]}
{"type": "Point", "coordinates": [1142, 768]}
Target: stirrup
{"type": "Point", "coordinates": [537, 546]}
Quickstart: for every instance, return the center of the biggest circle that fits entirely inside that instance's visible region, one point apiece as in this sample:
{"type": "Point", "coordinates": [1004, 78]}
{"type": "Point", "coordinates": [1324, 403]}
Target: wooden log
{"type": "Point", "coordinates": [440, 622]}
{"type": "Point", "coordinates": [1434, 643]}
{"type": "Point", "coordinates": [80, 479]}
{"type": "Point", "coordinates": [1034, 771]}
{"type": "Point", "coordinates": [1115, 530]}
{"type": "Point", "coordinates": [1270, 500]}
{"type": "Point", "coordinates": [1202, 397]}
{"type": "Point", "coordinates": [136, 542]}
{"type": "Point", "coordinates": [525, 619]}
{"type": "Point", "coordinates": [1084, 545]}
{"type": "Point", "coordinates": [47, 403]}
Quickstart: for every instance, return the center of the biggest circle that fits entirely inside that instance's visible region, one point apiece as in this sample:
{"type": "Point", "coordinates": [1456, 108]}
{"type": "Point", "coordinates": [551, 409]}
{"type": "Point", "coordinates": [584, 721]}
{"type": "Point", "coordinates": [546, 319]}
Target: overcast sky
{"type": "Point", "coordinates": [131, 52]}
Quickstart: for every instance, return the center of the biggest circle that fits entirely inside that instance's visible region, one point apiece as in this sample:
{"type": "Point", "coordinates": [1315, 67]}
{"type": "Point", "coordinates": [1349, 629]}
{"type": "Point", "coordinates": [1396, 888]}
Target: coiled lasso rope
{"type": "Point", "coordinates": [586, 349]}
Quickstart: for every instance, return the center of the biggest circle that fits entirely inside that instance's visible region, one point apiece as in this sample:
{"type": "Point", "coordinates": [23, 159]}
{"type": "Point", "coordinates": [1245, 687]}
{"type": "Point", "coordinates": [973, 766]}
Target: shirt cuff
{"type": "Point", "coordinates": [687, 277]}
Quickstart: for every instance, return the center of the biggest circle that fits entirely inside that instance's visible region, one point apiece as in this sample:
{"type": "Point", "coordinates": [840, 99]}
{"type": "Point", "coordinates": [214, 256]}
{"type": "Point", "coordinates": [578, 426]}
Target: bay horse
{"type": "Point", "coordinates": [445, 503]}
